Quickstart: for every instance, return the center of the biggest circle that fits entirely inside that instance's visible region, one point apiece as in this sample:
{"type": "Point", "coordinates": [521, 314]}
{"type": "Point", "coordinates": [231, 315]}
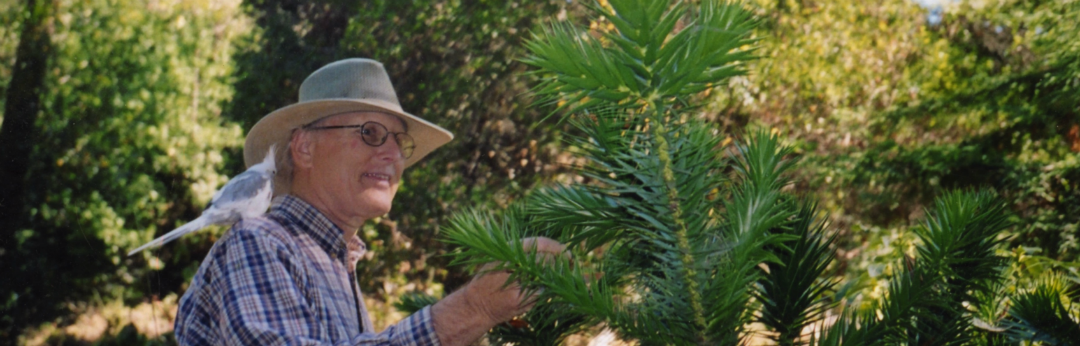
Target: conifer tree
{"type": "Point", "coordinates": [675, 238]}
{"type": "Point", "coordinates": [664, 247]}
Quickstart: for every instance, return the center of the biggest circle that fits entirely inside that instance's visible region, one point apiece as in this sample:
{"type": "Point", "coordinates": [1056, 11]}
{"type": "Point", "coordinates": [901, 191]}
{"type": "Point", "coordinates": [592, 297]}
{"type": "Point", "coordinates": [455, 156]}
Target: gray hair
{"type": "Point", "coordinates": [284, 161]}
{"type": "Point", "coordinates": [283, 178]}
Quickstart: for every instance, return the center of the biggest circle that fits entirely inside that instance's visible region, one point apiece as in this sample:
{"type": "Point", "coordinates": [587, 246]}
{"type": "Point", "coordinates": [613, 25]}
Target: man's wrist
{"type": "Point", "coordinates": [458, 321]}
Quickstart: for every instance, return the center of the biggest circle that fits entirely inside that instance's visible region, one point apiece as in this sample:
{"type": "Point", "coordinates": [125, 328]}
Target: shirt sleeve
{"type": "Point", "coordinates": [263, 302]}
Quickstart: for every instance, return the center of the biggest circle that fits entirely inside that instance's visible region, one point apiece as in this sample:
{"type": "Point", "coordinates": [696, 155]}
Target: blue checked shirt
{"type": "Point", "coordinates": [286, 278]}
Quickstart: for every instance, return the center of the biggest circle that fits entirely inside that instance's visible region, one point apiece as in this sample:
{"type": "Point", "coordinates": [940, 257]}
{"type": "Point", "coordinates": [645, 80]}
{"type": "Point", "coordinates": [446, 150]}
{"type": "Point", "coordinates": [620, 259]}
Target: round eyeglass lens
{"type": "Point", "coordinates": [374, 133]}
{"type": "Point", "coordinates": [405, 142]}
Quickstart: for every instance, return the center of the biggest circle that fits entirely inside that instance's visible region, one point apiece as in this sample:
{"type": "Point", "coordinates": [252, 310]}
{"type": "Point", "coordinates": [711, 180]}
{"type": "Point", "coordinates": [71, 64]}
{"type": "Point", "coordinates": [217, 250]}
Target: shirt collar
{"type": "Point", "coordinates": [313, 222]}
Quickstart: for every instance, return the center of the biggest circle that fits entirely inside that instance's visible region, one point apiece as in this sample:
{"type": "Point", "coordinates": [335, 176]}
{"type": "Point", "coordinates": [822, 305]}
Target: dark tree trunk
{"type": "Point", "coordinates": [23, 102]}
{"type": "Point", "coordinates": [21, 108]}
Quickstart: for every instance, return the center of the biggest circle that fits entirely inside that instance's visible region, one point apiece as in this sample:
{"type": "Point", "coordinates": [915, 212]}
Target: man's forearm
{"type": "Point", "coordinates": [457, 321]}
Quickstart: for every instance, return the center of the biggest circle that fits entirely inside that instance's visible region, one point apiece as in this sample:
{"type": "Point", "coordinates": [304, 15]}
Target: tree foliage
{"type": "Point", "coordinates": [129, 141]}
{"type": "Point", "coordinates": [893, 103]}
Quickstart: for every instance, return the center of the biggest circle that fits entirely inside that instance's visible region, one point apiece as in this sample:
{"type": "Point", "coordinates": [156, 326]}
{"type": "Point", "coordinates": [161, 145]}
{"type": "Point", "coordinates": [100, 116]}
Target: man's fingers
{"type": "Point", "coordinates": [486, 267]}
{"type": "Point", "coordinates": [543, 244]}
{"type": "Point", "coordinates": [546, 247]}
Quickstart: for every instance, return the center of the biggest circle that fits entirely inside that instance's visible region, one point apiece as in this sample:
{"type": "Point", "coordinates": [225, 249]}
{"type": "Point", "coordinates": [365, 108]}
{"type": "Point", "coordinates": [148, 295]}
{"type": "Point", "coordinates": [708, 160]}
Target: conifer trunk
{"type": "Point", "coordinates": [683, 239]}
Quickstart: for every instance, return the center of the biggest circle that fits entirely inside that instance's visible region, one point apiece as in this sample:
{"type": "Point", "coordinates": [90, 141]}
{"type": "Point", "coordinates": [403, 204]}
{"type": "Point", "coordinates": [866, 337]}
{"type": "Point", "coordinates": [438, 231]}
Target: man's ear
{"type": "Point", "coordinates": [301, 148]}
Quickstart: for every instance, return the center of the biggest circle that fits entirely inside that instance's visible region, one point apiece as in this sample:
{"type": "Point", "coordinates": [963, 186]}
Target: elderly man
{"type": "Point", "coordinates": [288, 277]}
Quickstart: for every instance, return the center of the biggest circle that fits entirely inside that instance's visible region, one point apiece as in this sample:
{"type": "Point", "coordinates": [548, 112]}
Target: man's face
{"type": "Point", "coordinates": [357, 180]}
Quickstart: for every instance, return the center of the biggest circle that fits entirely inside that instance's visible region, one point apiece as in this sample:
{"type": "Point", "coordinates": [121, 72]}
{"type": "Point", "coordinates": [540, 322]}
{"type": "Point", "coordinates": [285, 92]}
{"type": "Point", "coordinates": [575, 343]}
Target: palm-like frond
{"type": "Point", "coordinates": [649, 62]}
{"type": "Point", "coordinates": [925, 304]}
{"type": "Point", "coordinates": [957, 258]}
{"type": "Point", "coordinates": [577, 68]}
{"type": "Point", "coordinates": [793, 291]}
{"type": "Point", "coordinates": [1042, 314]}
{"type": "Point", "coordinates": [959, 240]}
{"type": "Point", "coordinates": [577, 215]}
{"type": "Point", "coordinates": [754, 208]}
{"type": "Point", "coordinates": [889, 321]}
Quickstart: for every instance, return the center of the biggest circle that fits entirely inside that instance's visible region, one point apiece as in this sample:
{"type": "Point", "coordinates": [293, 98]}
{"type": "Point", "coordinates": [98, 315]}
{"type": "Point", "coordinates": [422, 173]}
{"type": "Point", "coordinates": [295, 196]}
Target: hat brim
{"type": "Point", "coordinates": [276, 128]}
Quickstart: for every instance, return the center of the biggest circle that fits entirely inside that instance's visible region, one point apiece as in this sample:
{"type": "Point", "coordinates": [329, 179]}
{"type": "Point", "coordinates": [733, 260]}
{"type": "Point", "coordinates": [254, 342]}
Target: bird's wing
{"type": "Point", "coordinates": [241, 188]}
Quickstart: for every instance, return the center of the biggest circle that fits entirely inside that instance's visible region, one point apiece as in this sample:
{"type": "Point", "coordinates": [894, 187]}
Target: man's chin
{"type": "Point", "coordinates": [377, 206]}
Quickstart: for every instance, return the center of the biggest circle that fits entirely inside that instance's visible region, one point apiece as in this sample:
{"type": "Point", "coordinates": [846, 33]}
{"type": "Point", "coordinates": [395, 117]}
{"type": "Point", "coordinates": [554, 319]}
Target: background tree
{"type": "Point", "coordinates": [17, 135]}
{"type": "Point", "coordinates": [21, 106]}
{"type": "Point", "coordinates": [127, 140]}
{"type": "Point", "coordinates": [891, 103]}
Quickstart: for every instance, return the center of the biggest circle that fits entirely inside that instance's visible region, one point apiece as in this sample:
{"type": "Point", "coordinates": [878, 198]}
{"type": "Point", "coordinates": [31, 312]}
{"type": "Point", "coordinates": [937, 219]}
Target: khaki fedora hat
{"type": "Point", "coordinates": [344, 86]}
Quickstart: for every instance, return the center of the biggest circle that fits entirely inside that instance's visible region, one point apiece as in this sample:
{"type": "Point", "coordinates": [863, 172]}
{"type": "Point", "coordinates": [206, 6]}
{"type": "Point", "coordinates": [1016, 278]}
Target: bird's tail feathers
{"type": "Point", "coordinates": [194, 225]}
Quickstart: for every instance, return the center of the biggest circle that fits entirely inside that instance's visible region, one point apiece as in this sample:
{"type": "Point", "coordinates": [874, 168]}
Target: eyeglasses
{"type": "Point", "coordinates": [374, 134]}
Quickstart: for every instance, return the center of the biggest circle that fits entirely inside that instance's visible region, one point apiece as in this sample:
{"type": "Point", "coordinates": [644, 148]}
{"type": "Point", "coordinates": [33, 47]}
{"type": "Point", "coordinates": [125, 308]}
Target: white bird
{"type": "Point", "coordinates": [247, 195]}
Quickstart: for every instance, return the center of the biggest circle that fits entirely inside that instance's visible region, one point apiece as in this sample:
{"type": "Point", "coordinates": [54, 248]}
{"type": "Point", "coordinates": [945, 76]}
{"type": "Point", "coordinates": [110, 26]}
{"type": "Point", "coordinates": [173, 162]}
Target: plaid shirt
{"type": "Point", "coordinates": [286, 278]}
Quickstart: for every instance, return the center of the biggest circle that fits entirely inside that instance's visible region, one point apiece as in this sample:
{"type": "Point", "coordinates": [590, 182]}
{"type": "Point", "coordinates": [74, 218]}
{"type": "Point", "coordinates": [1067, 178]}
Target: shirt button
{"type": "Point", "coordinates": [333, 256]}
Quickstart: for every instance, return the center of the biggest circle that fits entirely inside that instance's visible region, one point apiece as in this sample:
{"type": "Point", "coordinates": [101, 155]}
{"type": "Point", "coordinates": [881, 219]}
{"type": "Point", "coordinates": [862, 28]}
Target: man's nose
{"type": "Point", "coordinates": [390, 150]}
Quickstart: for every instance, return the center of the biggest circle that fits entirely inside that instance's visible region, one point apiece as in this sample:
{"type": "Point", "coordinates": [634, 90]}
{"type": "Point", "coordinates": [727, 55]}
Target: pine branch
{"type": "Point", "coordinates": [577, 215]}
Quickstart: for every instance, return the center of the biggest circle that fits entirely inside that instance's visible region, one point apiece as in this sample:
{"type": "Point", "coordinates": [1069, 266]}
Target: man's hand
{"type": "Point", "coordinates": [499, 304]}
{"type": "Point", "coordinates": [465, 315]}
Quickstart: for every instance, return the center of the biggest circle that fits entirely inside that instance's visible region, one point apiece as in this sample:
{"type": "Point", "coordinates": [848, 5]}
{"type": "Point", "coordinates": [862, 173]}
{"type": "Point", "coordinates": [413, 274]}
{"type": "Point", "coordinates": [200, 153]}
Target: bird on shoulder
{"type": "Point", "coordinates": [245, 196]}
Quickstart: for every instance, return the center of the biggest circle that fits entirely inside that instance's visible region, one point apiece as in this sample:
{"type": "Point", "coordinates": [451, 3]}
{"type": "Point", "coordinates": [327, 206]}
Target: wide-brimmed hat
{"type": "Point", "coordinates": [345, 86]}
